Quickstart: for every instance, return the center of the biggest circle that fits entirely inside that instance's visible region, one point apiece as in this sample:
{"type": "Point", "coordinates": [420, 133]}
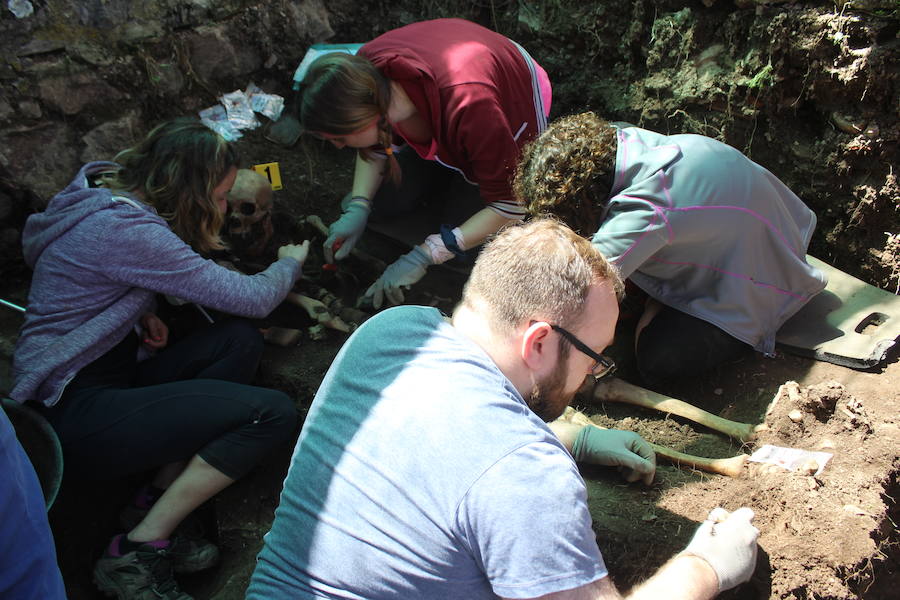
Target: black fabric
{"type": "Point", "coordinates": [120, 416]}
{"type": "Point", "coordinates": [675, 344]}
{"type": "Point", "coordinates": [428, 184]}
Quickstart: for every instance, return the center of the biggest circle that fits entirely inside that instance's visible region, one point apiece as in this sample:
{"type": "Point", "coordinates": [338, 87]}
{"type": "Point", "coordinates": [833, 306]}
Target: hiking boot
{"type": "Point", "coordinates": [143, 574]}
{"type": "Point", "coordinates": [189, 554]}
{"type": "Point", "coordinates": [190, 551]}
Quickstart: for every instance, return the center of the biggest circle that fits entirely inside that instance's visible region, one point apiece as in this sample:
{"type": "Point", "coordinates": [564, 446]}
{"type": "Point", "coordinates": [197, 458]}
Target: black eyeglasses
{"type": "Point", "coordinates": [603, 367]}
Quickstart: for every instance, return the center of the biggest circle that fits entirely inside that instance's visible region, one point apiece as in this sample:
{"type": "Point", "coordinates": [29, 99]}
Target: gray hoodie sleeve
{"type": "Point", "coordinates": [140, 250]}
{"type": "Point", "coordinates": [631, 233]}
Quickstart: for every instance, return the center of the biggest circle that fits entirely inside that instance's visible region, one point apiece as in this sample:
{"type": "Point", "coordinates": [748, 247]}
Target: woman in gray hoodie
{"type": "Point", "coordinates": [715, 241]}
{"type": "Point", "coordinates": [120, 234]}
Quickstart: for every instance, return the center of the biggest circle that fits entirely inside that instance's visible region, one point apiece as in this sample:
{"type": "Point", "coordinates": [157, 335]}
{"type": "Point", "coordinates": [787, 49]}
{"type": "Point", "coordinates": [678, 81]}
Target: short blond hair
{"type": "Point", "coordinates": [539, 269]}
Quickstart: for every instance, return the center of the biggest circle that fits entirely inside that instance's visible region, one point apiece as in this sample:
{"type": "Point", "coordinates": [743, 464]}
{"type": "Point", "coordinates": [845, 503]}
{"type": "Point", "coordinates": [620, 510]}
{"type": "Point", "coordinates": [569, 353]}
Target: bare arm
{"type": "Point", "coordinates": [477, 228]}
{"type": "Point", "coordinates": [682, 578]}
{"type": "Point", "coordinates": [721, 555]}
{"type": "Point", "coordinates": [566, 432]}
{"type": "Point", "coordinates": [486, 222]}
{"type": "Point", "coordinates": [367, 176]}
{"type": "Point", "coordinates": [685, 577]}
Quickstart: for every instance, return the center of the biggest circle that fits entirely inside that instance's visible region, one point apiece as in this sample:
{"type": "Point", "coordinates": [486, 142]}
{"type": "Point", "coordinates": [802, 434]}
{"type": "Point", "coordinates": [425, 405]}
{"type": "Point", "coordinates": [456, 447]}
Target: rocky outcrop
{"type": "Point", "coordinates": [83, 79]}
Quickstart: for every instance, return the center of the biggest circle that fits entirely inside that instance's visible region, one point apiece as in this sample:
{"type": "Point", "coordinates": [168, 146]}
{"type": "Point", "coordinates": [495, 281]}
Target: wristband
{"type": "Point", "coordinates": [362, 201]}
{"type": "Point", "coordinates": [453, 240]}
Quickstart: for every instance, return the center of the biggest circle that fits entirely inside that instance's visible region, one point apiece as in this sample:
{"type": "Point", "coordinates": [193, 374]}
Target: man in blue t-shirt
{"type": "Point", "coordinates": [426, 469]}
{"type": "Point", "coordinates": [28, 569]}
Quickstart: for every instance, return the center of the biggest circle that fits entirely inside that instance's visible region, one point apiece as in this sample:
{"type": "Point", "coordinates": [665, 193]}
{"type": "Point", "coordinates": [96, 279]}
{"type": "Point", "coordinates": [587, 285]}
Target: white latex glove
{"type": "Point", "coordinates": [347, 230]}
{"type": "Point", "coordinates": [626, 450]}
{"type": "Point", "coordinates": [296, 251]}
{"type": "Point", "coordinates": [728, 544]}
{"type": "Point", "coordinates": [403, 272]}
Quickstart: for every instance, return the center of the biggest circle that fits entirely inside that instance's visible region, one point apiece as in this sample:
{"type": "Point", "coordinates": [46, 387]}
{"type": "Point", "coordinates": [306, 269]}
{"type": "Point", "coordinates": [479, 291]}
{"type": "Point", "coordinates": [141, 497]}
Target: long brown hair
{"type": "Point", "coordinates": [341, 94]}
{"type": "Point", "coordinates": [175, 169]}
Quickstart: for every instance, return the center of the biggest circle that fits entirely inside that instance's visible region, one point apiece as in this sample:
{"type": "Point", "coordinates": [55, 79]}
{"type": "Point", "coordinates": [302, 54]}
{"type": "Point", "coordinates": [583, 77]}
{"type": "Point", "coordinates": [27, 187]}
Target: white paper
{"type": "Point", "coordinates": [789, 458]}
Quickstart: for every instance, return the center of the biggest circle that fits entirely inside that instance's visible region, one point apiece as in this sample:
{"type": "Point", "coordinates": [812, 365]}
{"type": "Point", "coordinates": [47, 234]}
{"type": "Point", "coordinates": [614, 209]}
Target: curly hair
{"type": "Point", "coordinates": [568, 171]}
{"type": "Point", "coordinates": [175, 169]}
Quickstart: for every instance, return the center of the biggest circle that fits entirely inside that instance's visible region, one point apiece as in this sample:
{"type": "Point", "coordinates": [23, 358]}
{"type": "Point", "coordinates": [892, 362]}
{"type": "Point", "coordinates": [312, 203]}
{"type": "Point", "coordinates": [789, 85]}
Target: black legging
{"type": "Point", "coordinates": [427, 182]}
{"type": "Point", "coordinates": [675, 344]}
{"type": "Point", "coordinates": [120, 416]}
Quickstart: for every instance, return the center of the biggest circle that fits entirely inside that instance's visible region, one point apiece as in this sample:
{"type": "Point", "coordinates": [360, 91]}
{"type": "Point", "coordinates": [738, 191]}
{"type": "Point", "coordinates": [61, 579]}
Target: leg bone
{"type": "Point", "coordinates": [732, 467]}
{"type": "Point", "coordinates": [617, 390]}
{"type": "Point", "coordinates": [317, 312]}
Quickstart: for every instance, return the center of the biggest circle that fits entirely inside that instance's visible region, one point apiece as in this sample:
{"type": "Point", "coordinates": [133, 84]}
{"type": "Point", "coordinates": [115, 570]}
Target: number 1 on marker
{"type": "Point", "coordinates": [272, 173]}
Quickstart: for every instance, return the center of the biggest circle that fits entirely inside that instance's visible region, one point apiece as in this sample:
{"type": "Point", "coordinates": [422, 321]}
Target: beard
{"type": "Point", "coordinates": [548, 399]}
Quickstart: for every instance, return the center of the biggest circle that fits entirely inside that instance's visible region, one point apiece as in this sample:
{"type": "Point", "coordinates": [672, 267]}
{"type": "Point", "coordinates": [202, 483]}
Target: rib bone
{"type": "Point", "coordinates": [616, 390]}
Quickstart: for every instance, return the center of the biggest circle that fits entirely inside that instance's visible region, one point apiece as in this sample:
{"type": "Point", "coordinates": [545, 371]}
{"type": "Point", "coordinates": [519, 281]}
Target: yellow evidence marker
{"type": "Point", "coordinates": [271, 172]}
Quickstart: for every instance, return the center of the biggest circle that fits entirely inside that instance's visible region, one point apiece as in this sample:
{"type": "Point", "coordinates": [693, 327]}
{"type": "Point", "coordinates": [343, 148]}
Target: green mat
{"type": "Point", "coordinates": [849, 323]}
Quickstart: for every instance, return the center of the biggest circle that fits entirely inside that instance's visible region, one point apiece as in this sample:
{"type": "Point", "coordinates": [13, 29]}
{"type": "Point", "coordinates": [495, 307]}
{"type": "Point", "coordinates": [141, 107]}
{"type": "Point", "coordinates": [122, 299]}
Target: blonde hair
{"type": "Point", "coordinates": [537, 269]}
{"type": "Point", "coordinates": [568, 171]}
{"type": "Point", "coordinates": [341, 94]}
{"type": "Point", "coordinates": [175, 169]}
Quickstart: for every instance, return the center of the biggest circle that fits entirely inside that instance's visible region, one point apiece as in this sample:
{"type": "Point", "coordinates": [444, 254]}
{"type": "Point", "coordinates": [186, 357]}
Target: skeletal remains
{"type": "Point", "coordinates": [250, 210]}
{"type": "Point", "coordinates": [251, 204]}
{"type": "Point", "coordinates": [723, 466]}
{"type": "Point", "coordinates": [617, 390]}
{"type": "Point", "coordinates": [318, 312]}
{"type": "Point", "coordinates": [614, 389]}
{"type": "Point", "coordinates": [326, 310]}
{"type": "Point", "coordinates": [376, 264]}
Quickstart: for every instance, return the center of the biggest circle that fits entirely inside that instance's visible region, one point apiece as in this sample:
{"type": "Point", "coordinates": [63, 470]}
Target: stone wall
{"type": "Point", "coordinates": [83, 79]}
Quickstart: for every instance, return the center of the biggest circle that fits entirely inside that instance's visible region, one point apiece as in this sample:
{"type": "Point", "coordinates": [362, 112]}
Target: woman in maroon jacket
{"type": "Point", "coordinates": [455, 95]}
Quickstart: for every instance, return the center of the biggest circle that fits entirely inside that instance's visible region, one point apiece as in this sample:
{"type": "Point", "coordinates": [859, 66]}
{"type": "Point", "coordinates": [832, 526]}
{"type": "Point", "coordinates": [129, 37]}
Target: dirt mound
{"type": "Point", "coordinates": [824, 533]}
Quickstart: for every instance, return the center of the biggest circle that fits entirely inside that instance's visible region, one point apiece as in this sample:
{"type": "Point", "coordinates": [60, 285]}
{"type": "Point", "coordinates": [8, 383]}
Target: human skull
{"type": "Point", "coordinates": [250, 208]}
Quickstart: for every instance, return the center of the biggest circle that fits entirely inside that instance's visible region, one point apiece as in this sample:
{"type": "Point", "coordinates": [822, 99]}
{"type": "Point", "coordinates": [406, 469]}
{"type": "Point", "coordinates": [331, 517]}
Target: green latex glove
{"type": "Point", "coordinates": [626, 450]}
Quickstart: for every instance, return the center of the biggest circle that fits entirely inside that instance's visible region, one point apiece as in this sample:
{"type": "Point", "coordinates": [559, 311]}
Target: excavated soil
{"type": "Point", "coordinates": [832, 535]}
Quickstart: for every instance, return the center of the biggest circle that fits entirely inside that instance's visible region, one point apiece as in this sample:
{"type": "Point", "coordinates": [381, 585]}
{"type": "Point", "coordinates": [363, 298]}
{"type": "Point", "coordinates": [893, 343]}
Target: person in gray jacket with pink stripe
{"type": "Point", "coordinates": [715, 241]}
{"type": "Point", "coordinates": [117, 236]}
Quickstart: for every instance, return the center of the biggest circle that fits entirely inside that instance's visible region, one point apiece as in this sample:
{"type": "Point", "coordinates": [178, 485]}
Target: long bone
{"type": "Point", "coordinates": [318, 312]}
{"type": "Point", "coordinates": [614, 389]}
{"type": "Point", "coordinates": [732, 467]}
{"type": "Point", "coordinates": [375, 263]}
